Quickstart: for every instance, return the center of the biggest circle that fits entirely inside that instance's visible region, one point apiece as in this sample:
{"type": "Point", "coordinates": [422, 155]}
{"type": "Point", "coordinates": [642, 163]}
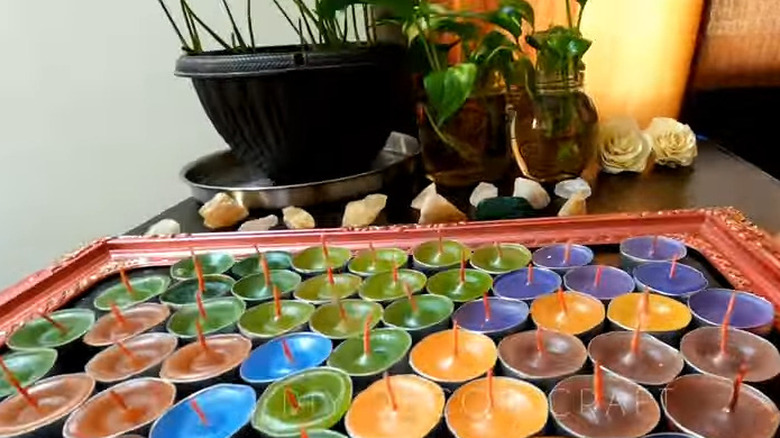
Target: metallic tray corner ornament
{"type": "Point", "coordinates": [745, 255]}
{"type": "Point", "coordinates": [223, 172]}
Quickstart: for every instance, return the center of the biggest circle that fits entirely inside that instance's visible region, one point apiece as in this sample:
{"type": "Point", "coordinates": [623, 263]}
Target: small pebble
{"type": "Point", "coordinates": [570, 187]}
{"type": "Point", "coordinates": [163, 227]}
{"type": "Point", "coordinates": [574, 206]}
{"type": "Point", "coordinates": [438, 210]}
{"type": "Point", "coordinates": [419, 200]}
{"type": "Point", "coordinates": [532, 191]}
{"type": "Point", "coordinates": [363, 212]}
{"type": "Point", "coordinates": [262, 224]}
{"type": "Point", "coordinates": [297, 218]}
{"type": "Point", "coordinates": [222, 211]}
{"type": "Point", "coordinates": [481, 192]}
{"type": "Point", "coordinates": [504, 207]}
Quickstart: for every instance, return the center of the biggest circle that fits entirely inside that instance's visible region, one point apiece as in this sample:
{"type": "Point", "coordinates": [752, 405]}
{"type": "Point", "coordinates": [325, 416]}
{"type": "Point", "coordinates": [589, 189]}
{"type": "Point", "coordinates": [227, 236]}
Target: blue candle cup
{"type": "Point", "coordinates": [506, 316]}
{"type": "Point", "coordinates": [613, 282]}
{"type": "Point", "coordinates": [656, 277]}
{"type": "Point", "coordinates": [519, 285]}
{"type": "Point", "coordinates": [751, 312]}
{"type": "Point", "coordinates": [638, 250]}
{"type": "Point", "coordinates": [227, 408]}
{"type": "Point", "coordinates": [268, 363]}
{"type": "Point", "coordinates": [554, 257]}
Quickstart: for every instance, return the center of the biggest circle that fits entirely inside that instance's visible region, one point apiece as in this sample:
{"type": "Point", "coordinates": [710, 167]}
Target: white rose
{"type": "Point", "coordinates": [674, 143]}
{"type": "Point", "coordinates": [622, 146]}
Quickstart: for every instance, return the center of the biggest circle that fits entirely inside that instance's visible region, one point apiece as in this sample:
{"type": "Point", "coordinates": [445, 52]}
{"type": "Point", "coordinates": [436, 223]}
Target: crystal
{"type": "Point", "coordinates": [222, 211]}
{"type": "Point", "coordinates": [481, 192]}
{"type": "Point", "coordinates": [574, 206]}
{"type": "Point", "coordinates": [163, 227]}
{"type": "Point", "coordinates": [419, 200]}
{"type": "Point", "coordinates": [363, 212]}
{"type": "Point", "coordinates": [297, 218]}
{"type": "Point", "coordinates": [438, 210]}
{"type": "Point", "coordinates": [570, 187]}
{"type": "Point", "coordinates": [262, 224]}
{"type": "Point", "coordinates": [532, 191]}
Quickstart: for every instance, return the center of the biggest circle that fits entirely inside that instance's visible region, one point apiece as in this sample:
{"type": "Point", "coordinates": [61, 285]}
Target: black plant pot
{"type": "Point", "coordinates": [302, 115]}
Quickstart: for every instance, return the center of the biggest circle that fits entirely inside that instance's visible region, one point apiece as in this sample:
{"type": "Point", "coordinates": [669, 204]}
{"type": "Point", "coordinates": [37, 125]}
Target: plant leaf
{"type": "Point", "coordinates": [490, 43]}
{"type": "Point", "coordinates": [523, 8]}
{"type": "Point", "coordinates": [448, 89]}
{"type": "Point", "coordinates": [466, 31]}
{"type": "Point", "coordinates": [582, 3]}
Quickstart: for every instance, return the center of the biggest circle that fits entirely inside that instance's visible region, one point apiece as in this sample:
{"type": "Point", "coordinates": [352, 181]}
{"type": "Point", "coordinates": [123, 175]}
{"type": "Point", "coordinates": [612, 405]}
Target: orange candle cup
{"type": "Point", "coordinates": [413, 409]}
{"type": "Point", "coordinates": [511, 408]}
{"type": "Point", "coordinates": [667, 318]}
{"type": "Point", "coordinates": [139, 356]}
{"type": "Point", "coordinates": [581, 316]}
{"type": "Point", "coordinates": [135, 320]}
{"type": "Point", "coordinates": [125, 408]}
{"type": "Point", "coordinates": [436, 357]}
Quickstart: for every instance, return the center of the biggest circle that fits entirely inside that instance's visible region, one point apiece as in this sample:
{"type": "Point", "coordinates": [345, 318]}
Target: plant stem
{"type": "Point", "coordinates": [233, 23]}
{"type": "Point", "coordinates": [432, 59]}
{"type": "Point", "coordinates": [568, 13]}
{"type": "Point", "coordinates": [306, 13]}
{"type": "Point", "coordinates": [206, 27]}
{"type": "Point", "coordinates": [249, 23]}
{"type": "Point", "coordinates": [579, 17]}
{"type": "Point", "coordinates": [184, 44]}
{"type": "Point", "coordinates": [290, 22]}
{"type": "Point", "coordinates": [346, 27]}
{"type": "Point", "coordinates": [196, 46]}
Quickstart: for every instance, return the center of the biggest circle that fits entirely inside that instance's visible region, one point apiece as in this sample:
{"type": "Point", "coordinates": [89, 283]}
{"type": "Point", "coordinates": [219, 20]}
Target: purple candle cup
{"type": "Point", "coordinates": [657, 277]}
{"type": "Point", "coordinates": [638, 250]}
{"type": "Point", "coordinates": [506, 316]}
{"type": "Point", "coordinates": [751, 312]}
{"type": "Point", "coordinates": [554, 257]}
{"type": "Point", "coordinates": [613, 282]}
{"type": "Point", "coordinates": [518, 285]}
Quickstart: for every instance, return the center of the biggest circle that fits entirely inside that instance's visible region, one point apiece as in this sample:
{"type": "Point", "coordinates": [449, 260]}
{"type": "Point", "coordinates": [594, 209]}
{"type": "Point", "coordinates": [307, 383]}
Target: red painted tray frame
{"type": "Point", "coordinates": [743, 253]}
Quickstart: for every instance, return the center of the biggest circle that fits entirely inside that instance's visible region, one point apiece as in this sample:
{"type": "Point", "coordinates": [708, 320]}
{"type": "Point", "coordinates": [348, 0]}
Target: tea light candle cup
{"type": "Point", "coordinates": [319, 290]}
{"type": "Point", "coordinates": [211, 263]}
{"type": "Point", "coordinates": [226, 408]}
{"type": "Point", "coordinates": [379, 260]}
{"type": "Point", "coordinates": [253, 288]}
{"type": "Point", "coordinates": [525, 286]}
{"type": "Point", "coordinates": [414, 410]}
{"type": "Point", "coordinates": [325, 433]}
{"type": "Point", "coordinates": [602, 282]}
{"type": "Point", "coordinates": [518, 409]}
{"type": "Point", "coordinates": [563, 355]}
{"type": "Point", "coordinates": [328, 321]}
{"type": "Point", "coordinates": [698, 404]}
{"type": "Point", "coordinates": [751, 312]}
{"type": "Point", "coordinates": [65, 337]}
{"type": "Point", "coordinates": [384, 288]}
{"type": "Point", "coordinates": [448, 283]}
{"type": "Point", "coordinates": [138, 356]}
{"type": "Point", "coordinates": [504, 317]}
{"type": "Point", "coordinates": [222, 314]}
{"type": "Point", "coordinates": [270, 362]}
{"type": "Point", "coordinates": [389, 349]}
{"type": "Point", "coordinates": [138, 319]}
{"type": "Point", "coordinates": [184, 293]}
{"type": "Point", "coordinates": [56, 398]}
{"type": "Point", "coordinates": [667, 318]}
{"type": "Point", "coordinates": [435, 358]}
{"type": "Point", "coordinates": [193, 368]}
{"type": "Point", "coordinates": [260, 323]}
{"type": "Point", "coordinates": [668, 435]}
{"type": "Point", "coordinates": [145, 287]}
{"type": "Point", "coordinates": [554, 257]}
{"type": "Point", "coordinates": [323, 396]}
{"type": "Point", "coordinates": [28, 367]}
{"type": "Point", "coordinates": [583, 315]}
{"type": "Point", "coordinates": [429, 314]}
{"type": "Point", "coordinates": [313, 260]}
{"type": "Point", "coordinates": [685, 282]}
{"type": "Point", "coordinates": [436, 255]}
{"type": "Point", "coordinates": [251, 265]}
{"type": "Point", "coordinates": [129, 407]}
{"type": "Point", "coordinates": [500, 258]}
{"type": "Point", "coordinates": [650, 249]}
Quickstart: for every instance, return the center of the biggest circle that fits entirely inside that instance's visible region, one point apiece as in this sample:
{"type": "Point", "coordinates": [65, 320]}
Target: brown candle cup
{"type": "Point", "coordinates": [629, 410]}
{"type": "Point", "coordinates": [139, 319]}
{"type": "Point", "coordinates": [192, 369]}
{"type": "Point", "coordinates": [112, 365]}
{"type": "Point", "coordinates": [57, 397]}
{"type": "Point", "coordinates": [697, 404]}
{"type": "Point", "coordinates": [102, 417]}
{"type": "Point", "coordinates": [564, 356]}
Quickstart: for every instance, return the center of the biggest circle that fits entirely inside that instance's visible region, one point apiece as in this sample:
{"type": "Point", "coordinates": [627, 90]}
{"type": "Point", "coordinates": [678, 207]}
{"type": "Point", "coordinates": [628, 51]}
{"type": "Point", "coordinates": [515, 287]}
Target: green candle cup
{"type": "Point", "coordinates": [370, 262]}
{"type": "Point", "coordinates": [389, 352]}
{"type": "Point", "coordinates": [432, 315]}
{"type": "Point", "coordinates": [323, 395]}
{"type": "Point", "coordinates": [313, 261]}
{"type": "Point", "coordinates": [28, 367]}
{"type": "Point", "coordinates": [251, 265]}
{"type": "Point", "coordinates": [41, 334]}
{"type": "Point", "coordinates": [221, 317]}
{"type": "Point", "coordinates": [324, 434]}
{"type": "Point", "coordinates": [261, 324]}
{"type": "Point", "coordinates": [382, 288]}
{"type": "Point", "coordinates": [252, 288]}
{"type": "Point", "coordinates": [144, 289]}
{"type": "Point", "coordinates": [210, 263]}
{"type": "Point", "coordinates": [327, 320]}
{"type": "Point", "coordinates": [448, 284]}
{"type": "Point", "coordinates": [430, 256]}
{"type": "Point", "coordinates": [318, 290]}
{"type": "Point", "coordinates": [184, 293]}
{"type": "Point", "coordinates": [500, 258]}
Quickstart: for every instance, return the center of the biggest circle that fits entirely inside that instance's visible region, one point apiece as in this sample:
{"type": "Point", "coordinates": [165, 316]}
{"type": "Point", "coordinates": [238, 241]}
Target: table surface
{"type": "Point", "coordinates": [717, 178]}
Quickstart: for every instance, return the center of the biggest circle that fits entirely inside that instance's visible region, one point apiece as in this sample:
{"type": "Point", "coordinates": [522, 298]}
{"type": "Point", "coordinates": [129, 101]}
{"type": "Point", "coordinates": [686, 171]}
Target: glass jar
{"type": "Point", "coordinates": [554, 129]}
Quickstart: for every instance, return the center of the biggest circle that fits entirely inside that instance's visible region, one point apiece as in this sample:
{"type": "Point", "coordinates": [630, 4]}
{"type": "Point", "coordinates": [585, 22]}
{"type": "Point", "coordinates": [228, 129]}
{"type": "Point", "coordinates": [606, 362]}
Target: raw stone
{"type": "Point", "coordinates": [574, 206]}
{"type": "Point", "coordinates": [262, 224]}
{"type": "Point", "coordinates": [163, 228]}
{"type": "Point", "coordinates": [297, 218]}
{"type": "Point", "coordinates": [504, 207]}
{"type": "Point", "coordinates": [532, 191]}
{"type": "Point", "coordinates": [363, 212]}
{"type": "Point", "coordinates": [222, 211]}
{"type": "Point", "coordinates": [481, 192]}
{"type": "Point", "coordinates": [419, 200]}
{"type": "Point", "coordinates": [438, 210]}
{"type": "Point", "coordinates": [570, 187]}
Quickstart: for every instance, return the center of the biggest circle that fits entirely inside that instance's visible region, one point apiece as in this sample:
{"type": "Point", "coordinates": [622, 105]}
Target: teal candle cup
{"type": "Point", "coordinates": [429, 256]}
{"type": "Point", "coordinates": [432, 315]}
{"type": "Point", "coordinates": [222, 314]}
{"type": "Point", "coordinates": [327, 320]}
{"type": "Point", "coordinates": [184, 293]}
{"type": "Point", "coordinates": [253, 288]}
{"type": "Point", "coordinates": [28, 367]}
{"type": "Point", "coordinates": [260, 323]}
{"type": "Point", "coordinates": [144, 289]}
{"type": "Point", "coordinates": [447, 283]}
{"type": "Point", "coordinates": [318, 290]}
{"type": "Point", "coordinates": [313, 261]}
{"type": "Point", "coordinates": [251, 265]}
{"type": "Point", "coordinates": [382, 288]}
{"type": "Point", "coordinates": [40, 334]}
{"type": "Point", "coordinates": [370, 262]}
{"type": "Point", "coordinates": [324, 395]}
{"type": "Point", "coordinates": [210, 263]}
{"type": "Point", "coordinates": [500, 258]}
{"type": "Point", "coordinates": [389, 352]}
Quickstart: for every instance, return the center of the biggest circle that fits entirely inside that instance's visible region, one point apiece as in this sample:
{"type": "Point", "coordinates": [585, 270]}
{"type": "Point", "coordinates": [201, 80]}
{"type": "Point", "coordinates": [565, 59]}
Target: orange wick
{"type": "Point", "coordinates": [490, 388]}
{"type": "Point", "coordinates": [390, 393]}
{"type": "Point", "coordinates": [117, 314]}
{"type": "Point", "coordinates": [737, 386]}
{"type": "Point", "coordinates": [562, 301]}
{"type": "Point", "coordinates": [598, 384]}
{"type": "Point", "coordinates": [199, 412]}
{"type": "Point", "coordinates": [530, 278]}
{"type": "Point", "coordinates": [410, 296]}
{"type": "Point", "coordinates": [58, 325]}
{"type": "Point", "coordinates": [277, 302]}
{"type": "Point", "coordinates": [367, 336]}
{"type": "Point", "coordinates": [724, 327]}
{"type": "Point", "coordinates": [126, 282]}
{"type": "Point", "coordinates": [597, 279]}
{"type": "Point", "coordinates": [288, 354]}
{"type": "Point", "coordinates": [9, 375]}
